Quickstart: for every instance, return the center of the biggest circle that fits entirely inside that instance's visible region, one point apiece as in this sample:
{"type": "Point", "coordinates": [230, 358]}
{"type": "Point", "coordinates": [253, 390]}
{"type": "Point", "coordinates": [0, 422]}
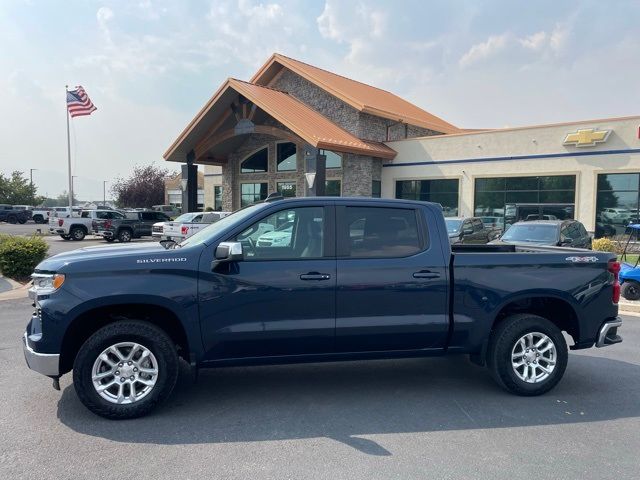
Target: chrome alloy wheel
{"type": "Point", "coordinates": [534, 357]}
{"type": "Point", "coordinates": [124, 373]}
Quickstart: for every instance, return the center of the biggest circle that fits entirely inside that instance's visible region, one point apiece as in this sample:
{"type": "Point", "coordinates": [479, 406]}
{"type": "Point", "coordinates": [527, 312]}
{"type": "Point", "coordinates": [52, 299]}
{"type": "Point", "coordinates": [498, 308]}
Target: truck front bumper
{"type": "Point", "coordinates": [608, 333]}
{"type": "Point", "coordinates": [45, 363]}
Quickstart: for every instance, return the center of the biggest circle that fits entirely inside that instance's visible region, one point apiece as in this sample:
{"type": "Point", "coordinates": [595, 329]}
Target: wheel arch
{"type": "Point", "coordinates": [90, 320]}
{"type": "Point", "coordinates": [551, 305]}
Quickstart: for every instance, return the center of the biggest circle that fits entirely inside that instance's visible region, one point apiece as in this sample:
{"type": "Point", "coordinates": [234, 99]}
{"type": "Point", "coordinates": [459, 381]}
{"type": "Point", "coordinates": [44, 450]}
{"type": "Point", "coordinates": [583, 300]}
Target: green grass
{"type": "Point", "coordinates": [631, 258]}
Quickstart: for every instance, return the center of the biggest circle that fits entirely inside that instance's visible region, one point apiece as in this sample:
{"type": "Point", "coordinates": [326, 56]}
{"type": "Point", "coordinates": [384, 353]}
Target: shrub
{"type": "Point", "coordinates": [604, 245]}
{"type": "Point", "coordinates": [208, 209]}
{"type": "Point", "coordinates": [19, 256]}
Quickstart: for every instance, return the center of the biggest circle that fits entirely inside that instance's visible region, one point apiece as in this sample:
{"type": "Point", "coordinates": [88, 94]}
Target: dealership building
{"type": "Point", "coordinates": [300, 130]}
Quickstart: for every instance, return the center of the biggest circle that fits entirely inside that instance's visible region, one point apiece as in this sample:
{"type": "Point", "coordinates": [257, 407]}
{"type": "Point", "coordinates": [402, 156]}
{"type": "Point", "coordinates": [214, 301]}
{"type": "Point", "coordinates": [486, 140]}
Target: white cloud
{"type": "Point", "coordinates": [481, 51]}
{"type": "Point", "coordinates": [535, 41]}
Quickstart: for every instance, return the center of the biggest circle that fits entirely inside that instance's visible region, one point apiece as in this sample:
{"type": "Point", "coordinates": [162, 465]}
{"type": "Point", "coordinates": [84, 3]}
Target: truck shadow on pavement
{"type": "Point", "coordinates": [349, 401]}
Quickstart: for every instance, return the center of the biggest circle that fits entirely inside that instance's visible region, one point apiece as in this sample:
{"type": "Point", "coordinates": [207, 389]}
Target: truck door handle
{"type": "Point", "coordinates": [426, 274]}
{"type": "Point", "coordinates": [315, 276]}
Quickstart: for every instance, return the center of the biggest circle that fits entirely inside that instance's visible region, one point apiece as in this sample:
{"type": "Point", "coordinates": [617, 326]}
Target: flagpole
{"type": "Point", "coordinates": [66, 109]}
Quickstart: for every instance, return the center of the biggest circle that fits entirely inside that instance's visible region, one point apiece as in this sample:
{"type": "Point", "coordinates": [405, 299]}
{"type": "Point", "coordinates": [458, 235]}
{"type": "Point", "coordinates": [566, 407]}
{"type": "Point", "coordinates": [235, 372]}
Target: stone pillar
{"type": "Point", "coordinates": [357, 175]}
{"type": "Point", "coordinates": [190, 193]}
{"type": "Point", "coordinates": [228, 180]}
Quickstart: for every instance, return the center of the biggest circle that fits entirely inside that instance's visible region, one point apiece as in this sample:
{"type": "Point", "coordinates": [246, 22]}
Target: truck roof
{"type": "Point", "coordinates": [352, 200]}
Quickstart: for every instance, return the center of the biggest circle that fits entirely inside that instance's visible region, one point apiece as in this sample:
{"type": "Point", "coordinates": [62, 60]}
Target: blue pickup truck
{"type": "Point", "coordinates": [355, 279]}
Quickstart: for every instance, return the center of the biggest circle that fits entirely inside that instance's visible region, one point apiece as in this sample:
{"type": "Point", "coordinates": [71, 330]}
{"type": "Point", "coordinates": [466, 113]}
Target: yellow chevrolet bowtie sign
{"type": "Point", "coordinates": [587, 137]}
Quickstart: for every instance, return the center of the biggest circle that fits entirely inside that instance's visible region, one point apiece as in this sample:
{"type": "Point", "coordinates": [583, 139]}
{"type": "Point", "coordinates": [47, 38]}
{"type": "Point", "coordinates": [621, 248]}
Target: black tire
{"type": "Point", "coordinates": [38, 219]}
{"type": "Point", "coordinates": [77, 234]}
{"type": "Point", "coordinates": [22, 220]}
{"type": "Point", "coordinates": [65, 237]}
{"type": "Point", "coordinates": [125, 235]}
{"type": "Point", "coordinates": [109, 239]}
{"type": "Point", "coordinates": [630, 290]}
{"type": "Point", "coordinates": [12, 219]}
{"type": "Point", "coordinates": [143, 333]}
{"type": "Point", "coordinates": [502, 342]}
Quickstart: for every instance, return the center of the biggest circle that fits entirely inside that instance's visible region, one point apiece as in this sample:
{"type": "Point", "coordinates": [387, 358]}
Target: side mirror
{"type": "Point", "coordinates": [228, 252]}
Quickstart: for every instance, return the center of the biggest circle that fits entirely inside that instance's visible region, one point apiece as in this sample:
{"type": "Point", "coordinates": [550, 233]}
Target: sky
{"type": "Point", "coordinates": [149, 66]}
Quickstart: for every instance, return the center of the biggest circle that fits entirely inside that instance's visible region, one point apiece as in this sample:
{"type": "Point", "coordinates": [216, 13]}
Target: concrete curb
{"type": "Point", "coordinates": [19, 291]}
{"type": "Point", "coordinates": [629, 307]}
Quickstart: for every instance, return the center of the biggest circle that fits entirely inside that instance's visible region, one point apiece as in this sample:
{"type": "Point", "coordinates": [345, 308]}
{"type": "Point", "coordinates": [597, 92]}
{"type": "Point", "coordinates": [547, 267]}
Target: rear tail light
{"type": "Point", "coordinates": [60, 222]}
{"type": "Point", "coordinates": [614, 269]}
{"type": "Point", "coordinates": [107, 224]}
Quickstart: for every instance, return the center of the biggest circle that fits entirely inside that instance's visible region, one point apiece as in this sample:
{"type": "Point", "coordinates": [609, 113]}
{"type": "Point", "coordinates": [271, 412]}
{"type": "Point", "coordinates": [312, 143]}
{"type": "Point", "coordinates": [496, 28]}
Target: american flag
{"type": "Point", "coordinates": [79, 103]}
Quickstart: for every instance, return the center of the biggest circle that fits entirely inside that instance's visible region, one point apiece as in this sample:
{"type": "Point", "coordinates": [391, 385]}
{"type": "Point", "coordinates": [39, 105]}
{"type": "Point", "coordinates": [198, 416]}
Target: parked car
{"type": "Point", "coordinates": [26, 208]}
{"type": "Point", "coordinates": [132, 225]}
{"type": "Point", "coordinates": [548, 232]}
{"type": "Point", "coordinates": [360, 278]}
{"type": "Point", "coordinates": [11, 215]}
{"type": "Point", "coordinates": [620, 216]}
{"type": "Point", "coordinates": [468, 230]}
{"type": "Point", "coordinates": [76, 228]}
{"type": "Point", "coordinates": [280, 236]}
{"type": "Point", "coordinates": [170, 211]}
{"type": "Point", "coordinates": [188, 224]}
{"type": "Point", "coordinates": [537, 216]}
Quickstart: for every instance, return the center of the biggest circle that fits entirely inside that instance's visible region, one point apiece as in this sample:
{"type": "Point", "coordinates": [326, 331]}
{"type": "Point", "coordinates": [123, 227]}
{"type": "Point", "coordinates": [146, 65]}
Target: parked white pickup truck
{"type": "Point", "coordinates": [76, 228]}
{"type": "Point", "coordinates": [186, 225]}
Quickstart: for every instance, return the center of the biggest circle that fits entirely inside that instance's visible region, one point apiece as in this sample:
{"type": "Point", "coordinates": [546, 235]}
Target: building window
{"type": "Point", "coordinates": [617, 203]}
{"type": "Point", "coordinates": [333, 159]}
{"type": "Point", "coordinates": [217, 198]}
{"type": "Point", "coordinates": [376, 188]}
{"type": "Point", "coordinates": [287, 189]}
{"type": "Point", "coordinates": [492, 195]}
{"type": "Point", "coordinates": [442, 191]}
{"type": "Point", "coordinates": [332, 188]}
{"type": "Point", "coordinates": [252, 193]}
{"type": "Point", "coordinates": [256, 162]}
{"type": "Point", "coordinates": [286, 157]}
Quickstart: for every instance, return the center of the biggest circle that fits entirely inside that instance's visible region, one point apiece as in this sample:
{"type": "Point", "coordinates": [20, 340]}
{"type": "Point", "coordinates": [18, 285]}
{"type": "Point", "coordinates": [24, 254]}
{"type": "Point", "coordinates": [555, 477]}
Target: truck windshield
{"type": "Point", "coordinates": [453, 225]}
{"type": "Point", "coordinates": [212, 230]}
{"type": "Point", "coordinates": [187, 217]}
{"type": "Point", "coordinates": [539, 233]}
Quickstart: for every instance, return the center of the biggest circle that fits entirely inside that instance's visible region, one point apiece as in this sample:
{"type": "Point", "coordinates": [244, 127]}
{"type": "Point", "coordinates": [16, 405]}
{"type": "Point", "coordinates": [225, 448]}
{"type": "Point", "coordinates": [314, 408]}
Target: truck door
{"type": "Point", "coordinates": [280, 299]}
{"type": "Point", "coordinates": [392, 285]}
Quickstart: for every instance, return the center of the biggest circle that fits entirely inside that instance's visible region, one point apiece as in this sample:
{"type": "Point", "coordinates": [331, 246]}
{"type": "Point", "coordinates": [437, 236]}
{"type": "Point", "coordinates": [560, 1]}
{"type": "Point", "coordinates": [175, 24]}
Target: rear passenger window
{"type": "Point", "coordinates": [477, 225]}
{"type": "Point", "coordinates": [381, 232]}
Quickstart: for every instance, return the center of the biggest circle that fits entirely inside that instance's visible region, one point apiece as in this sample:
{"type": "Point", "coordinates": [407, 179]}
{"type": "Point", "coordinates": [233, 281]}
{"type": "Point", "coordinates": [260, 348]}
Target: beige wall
{"type": "Point", "coordinates": [542, 140]}
{"type": "Point", "coordinates": [212, 177]}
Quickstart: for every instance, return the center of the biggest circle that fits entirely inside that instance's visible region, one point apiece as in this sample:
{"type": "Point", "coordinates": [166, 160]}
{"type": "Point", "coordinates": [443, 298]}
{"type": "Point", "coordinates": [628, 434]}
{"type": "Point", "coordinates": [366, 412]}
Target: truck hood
{"type": "Point", "coordinates": [104, 252]}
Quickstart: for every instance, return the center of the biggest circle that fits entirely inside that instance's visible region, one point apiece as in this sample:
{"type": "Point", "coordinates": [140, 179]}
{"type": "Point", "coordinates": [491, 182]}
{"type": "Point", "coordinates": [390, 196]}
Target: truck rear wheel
{"type": "Point", "coordinates": [77, 233]}
{"type": "Point", "coordinates": [38, 219]}
{"type": "Point", "coordinates": [125, 369]}
{"type": "Point", "coordinates": [12, 219]}
{"type": "Point", "coordinates": [124, 235]}
{"type": "Point", "coordinates": [527, 354]}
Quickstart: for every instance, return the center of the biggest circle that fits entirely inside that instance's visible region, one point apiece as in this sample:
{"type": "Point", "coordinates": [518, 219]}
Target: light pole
{"type": "Point", "coordinates": [72, 189]}
{"type": "Point", "coordinates": [33, 195]}
{"type": "Point", "coordinates": [104, 193]}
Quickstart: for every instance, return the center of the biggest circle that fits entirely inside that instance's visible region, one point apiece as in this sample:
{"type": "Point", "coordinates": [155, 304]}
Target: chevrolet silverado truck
{"type": "Point", "coordinates": [132, 225]}
{"type": "Point", "coordinates": [357, 279]}
{"type": "Point", "coordinates": [76, 228]}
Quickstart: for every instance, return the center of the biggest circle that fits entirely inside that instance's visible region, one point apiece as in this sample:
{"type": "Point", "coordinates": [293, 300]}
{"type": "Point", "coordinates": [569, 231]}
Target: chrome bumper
{"type": "Point", "coordinates": [45, 363]}
{"type": "Point", "coordinates": [608, 337]}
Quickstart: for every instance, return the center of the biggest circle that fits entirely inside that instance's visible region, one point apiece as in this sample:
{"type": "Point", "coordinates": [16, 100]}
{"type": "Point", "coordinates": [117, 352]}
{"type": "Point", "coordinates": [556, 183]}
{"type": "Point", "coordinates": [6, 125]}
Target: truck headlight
{"type": "Point", "coordinates": [46, 283]}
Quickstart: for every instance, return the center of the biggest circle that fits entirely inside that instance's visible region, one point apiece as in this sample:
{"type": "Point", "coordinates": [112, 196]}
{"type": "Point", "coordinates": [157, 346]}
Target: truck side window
{"type": "Point", "coordinates": [285, 235]}
{"type": "Point", "coordinates": [382, 232]}
{"type": "Point", "coordinates": [477, 225]}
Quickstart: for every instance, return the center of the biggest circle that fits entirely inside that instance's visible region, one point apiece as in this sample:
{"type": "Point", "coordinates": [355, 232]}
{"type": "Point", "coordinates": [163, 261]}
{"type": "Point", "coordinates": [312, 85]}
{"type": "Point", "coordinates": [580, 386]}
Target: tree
{"type": "Point", "coordinates": [144, 188]}
{"type": "Point", "coordinates": [17, 190]}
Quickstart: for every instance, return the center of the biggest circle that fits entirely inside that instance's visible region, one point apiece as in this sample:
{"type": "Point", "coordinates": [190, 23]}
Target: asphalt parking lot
{"type": "Point", "coordinates": [417, 418]}
{"type": "Point", "coordinates": [57, 244]}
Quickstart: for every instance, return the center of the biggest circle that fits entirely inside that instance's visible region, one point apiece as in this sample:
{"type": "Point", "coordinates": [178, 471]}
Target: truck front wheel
{"type": "Point", "coordinates": [125, 369]}
{"type": "Point", "coordinates": [631, 290]}
{"type": "Point", "coordinates": [527, 354]}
